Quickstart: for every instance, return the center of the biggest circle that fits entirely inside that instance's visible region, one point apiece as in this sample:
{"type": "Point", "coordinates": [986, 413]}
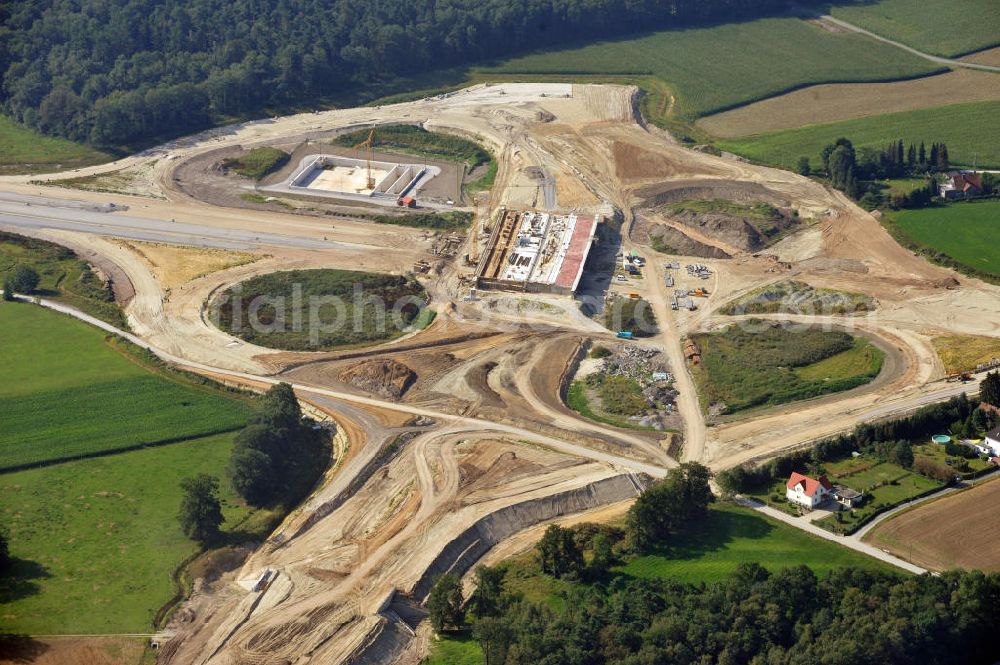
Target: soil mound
{"type": "Point", "coordinates": [671, 241]}
{"type": "Point", "coordinates": [749, 233]}
{"type": "Point", "coordinates": [383, 377]}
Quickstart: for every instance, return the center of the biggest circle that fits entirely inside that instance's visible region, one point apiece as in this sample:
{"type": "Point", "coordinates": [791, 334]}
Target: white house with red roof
{"type": "Point", "coordinates": [806, 491]}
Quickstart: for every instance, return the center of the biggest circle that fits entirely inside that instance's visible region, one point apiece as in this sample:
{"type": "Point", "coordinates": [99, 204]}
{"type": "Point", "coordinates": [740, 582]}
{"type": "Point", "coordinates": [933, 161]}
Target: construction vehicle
{"type": "Point", "coordinates": [633, 295]}
{"type": "Point", "coordinates": [369, 146]}
{"type": "Point", "coordinates": [406, 202]}
{"type": "Point", "coordinates": [700, 292]}
{"type": "Point", "coordinates": [625, 334]}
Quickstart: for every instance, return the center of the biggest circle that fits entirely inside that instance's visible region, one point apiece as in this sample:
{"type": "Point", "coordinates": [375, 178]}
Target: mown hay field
{"type": "Point", "coordinates": [719, 67]}
{"type": "Point", "coordinates": [951, 532]}
{"type": "Point", "coordinates": [962, 353]}
{"type": "Point", "coordinates": [940, 28]}
{"type": "Point", "coordinates": [65, 392]}
{"type": "Point", "coordinates": [965, 128]}
{"type": "Point", "coordinates": [836, 102]}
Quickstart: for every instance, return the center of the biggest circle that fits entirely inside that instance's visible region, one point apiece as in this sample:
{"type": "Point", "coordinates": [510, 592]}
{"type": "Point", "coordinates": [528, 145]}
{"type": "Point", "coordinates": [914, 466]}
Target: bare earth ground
{"type": "Point", "coordinates": [77, 650]}
{"type": "Point", "coordinates": [987, 57]}
{"type": "Point", "coordinates": [477, 445]}
{"type": "Point", "coordinates": [951, 532]}
{"type": "Point", "coordinates": [845, 101]}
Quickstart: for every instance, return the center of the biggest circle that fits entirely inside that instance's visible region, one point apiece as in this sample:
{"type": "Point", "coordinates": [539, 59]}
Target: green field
{"type": "Point", "coordinates": [714, 68]}
{"type": "Point", "coordinates": [966, 233]}
{"type": "Point", "coordinates": [940, 28]}
{"type": "Point", "coordinates": [759, 364]}
{"type": "Point", "coordinates": [96, 540]}
{"type": "Point", "coordinates": [969, 140]}
{"type": "Point", "coordinates": [454, 649]}
{"type": "Point", "coordinates": [62, 276]}
{"type": "Point", "coordinates": [59, 374]}
{"type": "Point", "coordinates": [25, 151]}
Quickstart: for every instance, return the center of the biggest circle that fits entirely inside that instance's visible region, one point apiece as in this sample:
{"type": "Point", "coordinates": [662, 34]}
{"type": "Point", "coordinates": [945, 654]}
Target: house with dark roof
{"type": "Point", "coordinates": [807, 492]}
{"type": "Point", "coordinates": [961, 185]}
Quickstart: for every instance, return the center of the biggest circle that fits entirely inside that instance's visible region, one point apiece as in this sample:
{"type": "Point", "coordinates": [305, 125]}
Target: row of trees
{"type": "Point", "coordinates": [277, 459]}
{"type": "Point", "coordinates": [113, 71]}
{"type": "Point", "coordinates": [853, 170]}
{"type": "Point", "coordinates": [890, 440]}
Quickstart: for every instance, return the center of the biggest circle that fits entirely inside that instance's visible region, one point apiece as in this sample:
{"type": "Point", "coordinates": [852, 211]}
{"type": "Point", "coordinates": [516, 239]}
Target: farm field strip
{"type": "Point", "coordinates": [836, 102]}
{"type": "Point", "coordinates": [966, 140]}
{"type": "Point", "coordinates": [45, 422]}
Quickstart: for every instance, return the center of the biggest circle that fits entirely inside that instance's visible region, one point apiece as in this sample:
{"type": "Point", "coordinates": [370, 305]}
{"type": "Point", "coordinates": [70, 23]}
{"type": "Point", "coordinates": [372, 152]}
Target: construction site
{"type": "Point", "coordinates": [537, 252]}
{"type": "Point", "coordinates": [454, 444]}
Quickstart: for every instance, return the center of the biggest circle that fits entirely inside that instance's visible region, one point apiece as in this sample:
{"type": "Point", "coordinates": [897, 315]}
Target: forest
{"type": "Point", "coordinates": [113, 72]}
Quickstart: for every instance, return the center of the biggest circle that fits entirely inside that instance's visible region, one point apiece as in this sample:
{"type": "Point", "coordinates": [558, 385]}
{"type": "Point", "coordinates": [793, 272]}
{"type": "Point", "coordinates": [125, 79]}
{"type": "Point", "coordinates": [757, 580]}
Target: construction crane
{"type": "Point", "coordinates": [368, 145]}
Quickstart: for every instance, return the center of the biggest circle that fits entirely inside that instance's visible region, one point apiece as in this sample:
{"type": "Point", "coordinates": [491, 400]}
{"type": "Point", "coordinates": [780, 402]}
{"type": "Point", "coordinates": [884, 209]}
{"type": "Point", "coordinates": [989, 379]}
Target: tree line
{"type": "Point", "coordinates": [855, 170]}
{"type": "Point", "coordinates": [115, 71]}
{"type": "Point", "coordinates": [890, 440]}
{"type": "Point", "coordinates": [276, 461]}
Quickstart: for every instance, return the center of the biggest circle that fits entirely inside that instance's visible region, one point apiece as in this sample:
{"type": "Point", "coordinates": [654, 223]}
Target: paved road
{"type": "Point", "coordinates": [809, 527]}
{"type": "Point", "coordinates": [951, 62]}
{"type": "Point", "coordinates": [473, 424]}
{"type": "Point", "coordinates": [19, 211]}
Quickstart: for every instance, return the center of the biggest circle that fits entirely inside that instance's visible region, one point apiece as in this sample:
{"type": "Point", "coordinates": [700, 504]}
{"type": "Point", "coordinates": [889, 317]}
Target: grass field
{"type": "Point", "coordinates": [257, 162]}
{"type": "Point", "coordinates": [62, 276]}
{"type": "Point", "coordinates": [722, 66]}
{"type": "Point", "coordinates": [969, 139]}
{"type": "Point", "coordinates": [763, 365]}
{"type": "Point", "coordinates": [96, 540]}
{"type": "Point", "coordinates": [59, 374]}
{"type": "Point", "coordinates": [954, 531]}
{"type": "Point", "coordinates": [961, 353]}
{"type": "Point", "coordinates": [25, 151]}
{"type": "Point", "coordinates": [320, 309]}
{"type": "Point", "coordinates": [966, 233]}
{"type": "Point", "coordinates": [937, 28]}
{"type": "Point", "coordinates": [455, 649]}
{"type": "Point", "coordinates": [577, 398]}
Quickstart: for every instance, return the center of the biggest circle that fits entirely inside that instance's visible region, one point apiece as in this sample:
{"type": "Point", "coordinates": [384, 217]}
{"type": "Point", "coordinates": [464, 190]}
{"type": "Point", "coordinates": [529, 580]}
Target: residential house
{"type": "Point", "coordinates": [807, 492]}
{"type": "Point", "coordinates": [847, 497]}
{"type": "Point", "coordinates": [961, 185]}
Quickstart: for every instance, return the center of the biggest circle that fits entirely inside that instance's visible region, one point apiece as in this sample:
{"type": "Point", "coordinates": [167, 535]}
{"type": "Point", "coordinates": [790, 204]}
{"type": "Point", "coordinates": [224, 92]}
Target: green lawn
{"type": "Point", "coordinates": [862, 359]}
{"type": "Point", "coordinates": [936, 453]}
{"type": "Point", "coordinates": [96, 540]}
{"type": "Point", "coordinates": [965, 128]}
{"type": "Point", "coordinates": [968, 233]}
{"type": "Point", "coordinates": [257, 162]}
{"type": "Point", "coordinates": [25, 151]}
{"type": "Point", "coordinates": [884, 484]}
{"type": "Point", "coordinates": [65, 392]}
{"type": "Point", "coordinates": [455, 649]}
{"type": "Point", "coordinates": [723, 66]}
{"type": "Point", "coordinates": [733, 535]}
{"type": "Point", "coordinates": [942, 28]}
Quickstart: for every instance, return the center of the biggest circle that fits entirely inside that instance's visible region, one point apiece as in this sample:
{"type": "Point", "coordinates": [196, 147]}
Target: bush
{"type": "Point", "coordinates": [24, 279]}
